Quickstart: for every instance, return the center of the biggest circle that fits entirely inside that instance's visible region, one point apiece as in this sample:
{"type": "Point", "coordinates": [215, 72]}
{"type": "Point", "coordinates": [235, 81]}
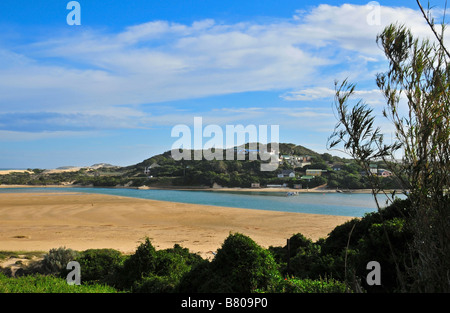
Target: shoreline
{"type": "Point", "coordinates": [42, 221]}
{"type": "Point", "coordinates": [200, 188]}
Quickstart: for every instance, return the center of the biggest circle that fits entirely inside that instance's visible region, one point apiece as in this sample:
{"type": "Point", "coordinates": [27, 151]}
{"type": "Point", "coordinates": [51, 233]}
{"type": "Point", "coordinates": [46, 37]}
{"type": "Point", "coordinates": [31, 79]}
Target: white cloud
{"type": "Point", "coordinates": [309, 94]}
{"type": "Point", "coordinates": [19, 136]}
{"type": "Point", "coordinates": [95, 72]}
{"type": "Point", "coordinates": [373, 96]}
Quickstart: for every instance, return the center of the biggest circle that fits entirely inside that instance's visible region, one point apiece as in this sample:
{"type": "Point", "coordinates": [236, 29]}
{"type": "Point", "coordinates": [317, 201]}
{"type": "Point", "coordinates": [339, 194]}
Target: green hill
{"type": "Point", "coordinates": [243, 170]}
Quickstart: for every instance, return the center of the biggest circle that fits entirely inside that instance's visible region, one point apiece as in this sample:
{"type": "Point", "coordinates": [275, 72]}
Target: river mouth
{"type": "Point", "coordinates": [341, 204]}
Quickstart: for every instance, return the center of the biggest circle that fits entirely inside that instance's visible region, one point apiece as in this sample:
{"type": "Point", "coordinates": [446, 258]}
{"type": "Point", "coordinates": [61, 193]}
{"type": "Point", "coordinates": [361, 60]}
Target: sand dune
{"type": "Point", "coordinates": [41, 221]}
{"type": "Point", "coordinates": [6, 172]}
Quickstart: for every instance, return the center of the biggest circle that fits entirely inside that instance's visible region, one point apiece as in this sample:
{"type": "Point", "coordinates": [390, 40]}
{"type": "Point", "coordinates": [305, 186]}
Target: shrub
{"type": "Point", "coordinates": [38, 283]}
{"type": "Point", "coordinates": [197, 279]}
{"type": "Point", "coordinates": [295, 285]}
{"type": "Point", "coordinates": [154, 284]}
{"type": "Point", "coordinates": [303, 256]}
{"type": "Point", "coordinates": [244, 265]}
{"type": "Point", "coordinates": [175, 262]}
{"type": "Point", "coordinates": [56, 260]}
{"type": "Point", "coordinates": [142, 263]}
{"type": "Point", "coordinates": [370, 240]}
{"type": "Point", "coordinates": [239, 266]}
{"type": "Point", "coordinates": [148, 270]}
{"type": "Point", "coordinates": [97, 265]}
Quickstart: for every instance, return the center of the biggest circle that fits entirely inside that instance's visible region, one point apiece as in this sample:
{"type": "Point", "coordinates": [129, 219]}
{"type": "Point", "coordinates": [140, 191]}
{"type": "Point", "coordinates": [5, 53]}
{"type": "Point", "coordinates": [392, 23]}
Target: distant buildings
{"type": "Point", "coordinates": [315, 172]}
{"type": "Point", "coordinates": [286, 174]}
{"type": "Point", "coordinates": [148, 169]}
{"type": "Point", "coordinates": [337, 167]}
{"type": "Point", "coordinates": [295, 160]}
{"type": "Point", "coordinates": [373, 168]}
{"type": "Point", "coordinates": [375, 171]}
{"type": "Point", "coordinates": [384, 173]}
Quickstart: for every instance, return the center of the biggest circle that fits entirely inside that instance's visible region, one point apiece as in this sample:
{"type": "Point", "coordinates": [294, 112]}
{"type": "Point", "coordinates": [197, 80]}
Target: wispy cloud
{"type": "Point", "coordinates": [100, 80]}
{"type": "Point", "coordinates": [21, 136]}
{"type": "Point", "coordinates": [309, 94]}
{"type": "Point", "coordinates": [373, 96]}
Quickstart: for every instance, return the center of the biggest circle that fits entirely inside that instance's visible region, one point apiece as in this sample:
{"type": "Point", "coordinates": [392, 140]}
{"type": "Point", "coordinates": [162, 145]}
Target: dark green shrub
{"type": "Point", "coordinates": [97, 265]}
{"type": "Point", "coordinates": [244, 265]}
{"type": "Point", "coordinates": [299, 242]}
{"type": "Point", "coordinates": [148, 270]}
{"type": "Point", "coordinates": [239, 266]}
{"type": "Point", "coordinates": [303, 263]}
{"type": "Point", "coordinates": [303, 256]}
{"type": "Point", "coordinates": [374, 246]}
{"type": "Point", "coordinates": [154, 284]}
{"type": "Point", "coordinates": [197, 279]}
{"type": "Point", "coordinates": [142, 263]}
{"type": "Point", "coordinates": [38, 283]}
{"type": "Point", "coordinates": [379, 236]}
{"type": "Point", "coordinates": [175, 262]}
{"type": "Point", "coordinates": [295, 285]}
{"type": "Point", "coordinates": [339, 236]}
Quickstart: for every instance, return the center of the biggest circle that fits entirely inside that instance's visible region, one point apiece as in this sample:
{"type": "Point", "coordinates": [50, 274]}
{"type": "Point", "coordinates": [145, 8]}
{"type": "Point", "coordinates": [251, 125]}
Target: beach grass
{"type": "Point", "coordinates": [5, 254]}
{"type": "Point", "coordinates": [47, 284]}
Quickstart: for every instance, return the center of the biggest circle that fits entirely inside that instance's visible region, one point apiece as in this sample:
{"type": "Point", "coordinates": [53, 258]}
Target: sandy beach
{"type": "Point", "coordinates": [41, 221]}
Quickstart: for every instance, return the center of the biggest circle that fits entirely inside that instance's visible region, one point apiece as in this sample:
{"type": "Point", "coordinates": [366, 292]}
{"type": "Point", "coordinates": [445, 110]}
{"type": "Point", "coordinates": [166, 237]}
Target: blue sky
{"type": "Point", "coordinates": [111, 89]}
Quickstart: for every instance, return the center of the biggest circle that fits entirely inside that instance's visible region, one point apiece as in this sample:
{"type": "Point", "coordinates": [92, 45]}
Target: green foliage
{"type": "Point", "coordinates": [344, 254]}
{"type": "Point", "coordinates": [148, 269]}
{"type": "Point", "coordinates": [4, 254]}
{"type": "Point", "coordinates": [98, 265]}
{"type": "Point", "coordinates": [155, 284]}
{"type": "Point", "coordinates": [372, 238]}
{"type": "Point", "coordinates": [142, 263]}
{"type": "Point", "coordinates": [418, 70]}
{"type": "Point", "coordinates": [239, 266]}
{"type": "Point", "coordinates": [175, 262]}
{"type": "Point", "coordinates": [244, 265]}
{"type": "Point", "coordinates": [47, 284]}
{"type": "Point", "coordinates": [295, 285]}
{"type": "Point", "coordinates": [56, 260]}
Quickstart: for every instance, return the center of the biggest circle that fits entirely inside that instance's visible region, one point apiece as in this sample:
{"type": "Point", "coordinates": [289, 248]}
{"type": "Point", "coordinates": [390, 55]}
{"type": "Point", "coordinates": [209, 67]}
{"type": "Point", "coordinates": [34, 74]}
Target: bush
{"type": "Point", "coordinates": [175, 262]}
{"type": "Point", "coordinates": [158, 271]}
{"type": "Point", "coordinates": [303, 255]}
{"type": "Point", "coordinates": [97, 265]}
{"type": "Point", "coordinates": [375, 246]}
{"type": "Point", "coordinates": [142, 263]}
{"type": "Point", "coordinates": [295, 285]}
{"type": "Point", "coordinates": [239, 266]}
{"type": "Point", "coordinates": [46, 284]}
{"type": "Point", "coordinates": [197, 279]}
{"type": "Point", "coordinates": [369, 242]}
{"type": "Point", "coordinates": [56, 260]}
{"type": "Point", "coordinates": [154, 284]}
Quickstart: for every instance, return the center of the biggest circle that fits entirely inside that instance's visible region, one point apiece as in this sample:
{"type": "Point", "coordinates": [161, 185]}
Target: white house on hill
{"type": "Point", "coordinates": [286, 173]}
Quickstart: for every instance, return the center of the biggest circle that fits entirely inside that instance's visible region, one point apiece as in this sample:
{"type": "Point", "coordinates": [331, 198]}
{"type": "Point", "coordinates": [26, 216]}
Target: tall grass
{"type": "Point", "coordinates": [47, 284]}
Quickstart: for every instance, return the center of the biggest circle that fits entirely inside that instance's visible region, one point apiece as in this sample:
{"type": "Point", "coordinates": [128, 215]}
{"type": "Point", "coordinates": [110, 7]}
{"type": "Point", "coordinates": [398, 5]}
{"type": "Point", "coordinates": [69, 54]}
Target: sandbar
{"type": "Point", "coordinates": [41, 221]}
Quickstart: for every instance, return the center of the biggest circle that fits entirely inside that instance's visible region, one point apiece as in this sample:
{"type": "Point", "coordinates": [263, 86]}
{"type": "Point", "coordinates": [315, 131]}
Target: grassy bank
{"type": "Point", "coordinates": [47, 284]}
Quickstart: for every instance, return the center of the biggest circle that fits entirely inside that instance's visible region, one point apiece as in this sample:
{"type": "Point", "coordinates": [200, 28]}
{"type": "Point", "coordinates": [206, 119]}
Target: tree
{"type": "Point", "coordinates": [419, 76]}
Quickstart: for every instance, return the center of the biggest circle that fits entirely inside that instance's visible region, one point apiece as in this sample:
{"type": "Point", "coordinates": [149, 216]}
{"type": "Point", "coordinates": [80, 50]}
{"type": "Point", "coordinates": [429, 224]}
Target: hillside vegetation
{"type": "Point", "coordinates": [163, 171]}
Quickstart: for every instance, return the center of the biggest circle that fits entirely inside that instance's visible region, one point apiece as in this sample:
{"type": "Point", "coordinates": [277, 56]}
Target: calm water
{"type": "Point", "coordinates": [318, 203]}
